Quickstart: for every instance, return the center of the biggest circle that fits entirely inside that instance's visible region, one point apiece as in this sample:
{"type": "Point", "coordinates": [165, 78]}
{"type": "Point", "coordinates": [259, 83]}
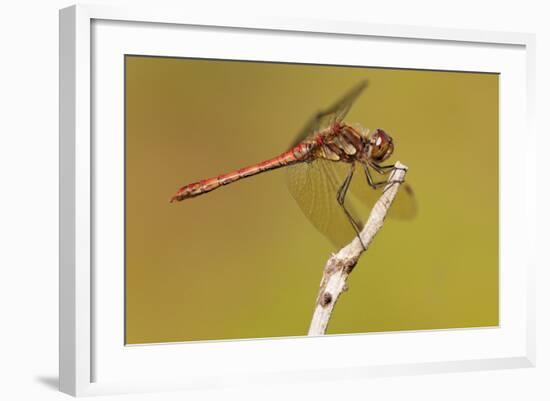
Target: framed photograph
{"type": "Point", "coordinates": [273, 200]}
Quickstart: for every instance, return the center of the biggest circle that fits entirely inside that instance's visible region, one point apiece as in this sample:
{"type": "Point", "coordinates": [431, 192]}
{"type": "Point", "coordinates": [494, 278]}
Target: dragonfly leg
{"type": "Point", "coordinates": [385, 169]}
{"type": "Point", "coordinates": [341, 197]}
{"type": "Point", "coordinates": [381, 170]}
{"type": "Point", "coordinates": [371, 182]}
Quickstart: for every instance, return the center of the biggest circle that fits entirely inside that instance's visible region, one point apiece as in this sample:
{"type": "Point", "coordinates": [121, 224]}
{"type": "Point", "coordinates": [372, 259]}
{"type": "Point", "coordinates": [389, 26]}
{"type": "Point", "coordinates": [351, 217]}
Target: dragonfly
{"type": "Point", "coordinates": [320, 167]}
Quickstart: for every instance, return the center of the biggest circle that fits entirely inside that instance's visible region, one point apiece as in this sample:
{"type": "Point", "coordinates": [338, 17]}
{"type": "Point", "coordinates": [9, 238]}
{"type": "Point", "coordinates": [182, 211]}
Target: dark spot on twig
{"type": "Point", "coordinates": [348, 267]}
{"type": "Point", "coordinates": [326, 299]}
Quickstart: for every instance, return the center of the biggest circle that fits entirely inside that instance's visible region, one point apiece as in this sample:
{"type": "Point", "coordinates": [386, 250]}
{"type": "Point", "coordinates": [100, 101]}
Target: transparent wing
{"type": "Point", "coordinates": [314, 185]}
{"type": "Point", "coordinates": [404, 206]}
{"type": "Point", "coordinates": [336, 113]}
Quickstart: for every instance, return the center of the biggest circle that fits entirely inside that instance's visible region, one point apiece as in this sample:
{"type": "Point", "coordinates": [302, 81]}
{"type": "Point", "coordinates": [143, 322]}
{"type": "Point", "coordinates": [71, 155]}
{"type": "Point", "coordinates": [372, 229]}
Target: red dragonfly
{"type": "Point", "coordinates": [320, 167]}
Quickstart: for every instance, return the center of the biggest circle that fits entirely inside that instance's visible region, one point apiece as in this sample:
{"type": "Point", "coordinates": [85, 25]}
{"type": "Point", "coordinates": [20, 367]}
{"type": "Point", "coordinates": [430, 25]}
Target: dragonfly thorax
{"type": "Point", "coordinates": [352, 144]}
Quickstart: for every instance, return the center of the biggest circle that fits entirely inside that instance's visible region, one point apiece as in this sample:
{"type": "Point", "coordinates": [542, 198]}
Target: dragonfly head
{"type": "Point", "coordinates": [380, 145]}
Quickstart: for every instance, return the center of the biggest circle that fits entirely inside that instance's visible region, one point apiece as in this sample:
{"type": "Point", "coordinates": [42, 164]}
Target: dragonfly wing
{"type": "Point", "coordinates": [314, 185]}
{"type": "Point", "coordinates": [404, 206]}
{"type": "Point", "coordinates": [336, 113]}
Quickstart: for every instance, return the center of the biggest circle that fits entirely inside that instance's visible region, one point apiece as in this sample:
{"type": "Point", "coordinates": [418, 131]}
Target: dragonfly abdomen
{"type": "Point", "coordinates": [294, 155]}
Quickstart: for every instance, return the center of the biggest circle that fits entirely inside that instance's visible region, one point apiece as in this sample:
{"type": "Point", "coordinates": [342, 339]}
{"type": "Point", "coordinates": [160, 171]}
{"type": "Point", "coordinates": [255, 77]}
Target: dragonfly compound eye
{"type": "Point", "coordinates": [381, 144]}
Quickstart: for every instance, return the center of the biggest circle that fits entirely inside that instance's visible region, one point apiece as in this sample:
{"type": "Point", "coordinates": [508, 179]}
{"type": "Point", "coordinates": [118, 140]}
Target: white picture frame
{"type": "Point", "coordinates": [92, 353]}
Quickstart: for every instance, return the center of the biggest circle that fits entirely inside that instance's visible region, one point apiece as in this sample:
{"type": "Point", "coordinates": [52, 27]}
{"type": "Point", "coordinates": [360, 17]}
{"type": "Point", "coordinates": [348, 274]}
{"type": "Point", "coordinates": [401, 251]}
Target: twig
{"type": "Point", "coordinates": [340, 265]}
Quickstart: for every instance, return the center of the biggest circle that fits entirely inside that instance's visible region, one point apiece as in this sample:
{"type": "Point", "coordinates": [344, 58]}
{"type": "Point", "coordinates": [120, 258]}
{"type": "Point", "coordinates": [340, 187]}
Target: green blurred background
{"type": "Point", "coordinates": [243, 261]}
